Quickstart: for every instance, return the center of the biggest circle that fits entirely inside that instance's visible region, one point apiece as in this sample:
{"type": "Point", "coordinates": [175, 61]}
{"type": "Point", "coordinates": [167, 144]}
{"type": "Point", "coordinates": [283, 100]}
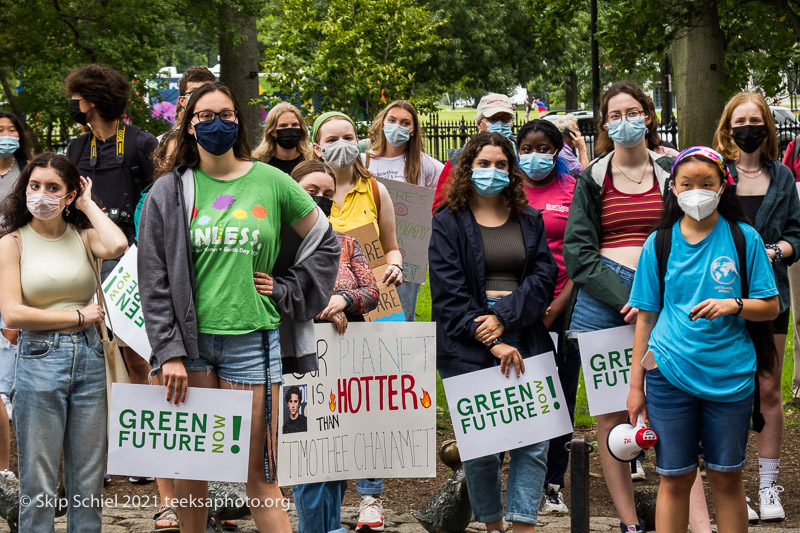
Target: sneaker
{"type": "Point", "coordinates": [7, 474]}
{"type": "Point", "coordinates": [7, 403]}
{"type": "Point", "coordinates": [553, 501]}
{"type": "Point", "coordinates": [141, 480]}
{"type": "Point", "coordinates": [106, 479]}
{"type": "Point", "coordinates": [752, 516]}
{"type": "Point", "coordinates": [637, 471]}
{"type": "Point", "coordinates": [769, 504]}
{"type": "Point", "coordinates": [370, 515]}
{"type": "Point", "coordinates": [633, 528]}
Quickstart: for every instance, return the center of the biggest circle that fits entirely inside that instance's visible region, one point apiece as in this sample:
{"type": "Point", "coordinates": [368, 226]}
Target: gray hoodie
{"type": "Point", "coordinates": [167, 282]}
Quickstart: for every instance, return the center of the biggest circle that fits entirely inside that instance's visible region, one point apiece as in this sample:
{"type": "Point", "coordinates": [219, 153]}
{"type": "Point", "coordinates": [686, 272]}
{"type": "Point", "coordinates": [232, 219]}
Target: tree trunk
{"type": "Point", "coordinates": [239, 69]}
{"type": "Point", "coordinates": [571, 91]}
{"type": "Point", "coordinates": [697, 59]}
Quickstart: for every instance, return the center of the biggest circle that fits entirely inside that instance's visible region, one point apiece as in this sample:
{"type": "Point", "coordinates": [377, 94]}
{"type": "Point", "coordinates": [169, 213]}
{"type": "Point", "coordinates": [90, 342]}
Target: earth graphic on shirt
{"type": "Point", "coordinates": [723, 270]}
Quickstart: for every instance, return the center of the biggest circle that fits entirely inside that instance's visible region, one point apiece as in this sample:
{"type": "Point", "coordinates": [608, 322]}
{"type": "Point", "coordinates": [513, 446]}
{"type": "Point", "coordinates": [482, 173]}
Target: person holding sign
{"type": "Point", "coordinates": [206, 227]}
{"type": "Point", "coordinates": [47, 283]}
{"type": "Point", "coordinates": [397, 154]}
{"type": "Point", "coordinates": [704, 292]}
{"type": "Point", "coordinates": [617, 201]}
{"type": "Point", "coordinates": [492, 279]}
{"type": "Point", "coordinates": [746, 138]}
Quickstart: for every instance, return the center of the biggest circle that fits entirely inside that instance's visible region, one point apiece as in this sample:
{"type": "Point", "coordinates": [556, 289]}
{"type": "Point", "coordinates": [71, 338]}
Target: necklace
{"type": "Point", "coordinates": [641, 179]}
{"type": "Point", "coordinates": [753, 173]}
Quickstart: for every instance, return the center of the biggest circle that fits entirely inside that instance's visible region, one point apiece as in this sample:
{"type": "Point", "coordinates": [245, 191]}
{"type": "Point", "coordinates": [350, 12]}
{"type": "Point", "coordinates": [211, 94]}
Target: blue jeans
{"type": "Point", "coordinates": [319, 506]}
{"type": "Point", "coordinates": [59, 396]}
{"type": "Point", "coordinates": [590, 314]}
{"type": "Point", "coordinates": [408, 291]}
{"type": "Point", "coordinates": [8, 357]}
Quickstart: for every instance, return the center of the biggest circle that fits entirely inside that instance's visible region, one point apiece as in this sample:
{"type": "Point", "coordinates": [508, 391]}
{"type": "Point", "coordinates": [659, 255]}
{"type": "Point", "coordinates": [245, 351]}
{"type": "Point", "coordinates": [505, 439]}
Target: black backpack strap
{"type": "Point", "coordinates": [131, 156]}
{"type": "Point", "coordinates": [76, 147]}
{"type": "Point", "coordinates": [663, 247]}
{"type": "Point", "coordinates": [796, 150]}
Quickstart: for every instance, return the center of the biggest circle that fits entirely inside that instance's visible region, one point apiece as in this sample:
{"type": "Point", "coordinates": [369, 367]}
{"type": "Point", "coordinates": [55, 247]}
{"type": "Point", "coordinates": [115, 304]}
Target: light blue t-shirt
{"type": "Point", "coordinates": [711, 359]}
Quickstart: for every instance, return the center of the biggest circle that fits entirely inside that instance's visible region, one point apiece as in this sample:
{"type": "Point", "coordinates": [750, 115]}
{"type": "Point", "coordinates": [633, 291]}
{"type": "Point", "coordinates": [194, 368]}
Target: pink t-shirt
{"type": "Point", "coordinates": [554, 200]}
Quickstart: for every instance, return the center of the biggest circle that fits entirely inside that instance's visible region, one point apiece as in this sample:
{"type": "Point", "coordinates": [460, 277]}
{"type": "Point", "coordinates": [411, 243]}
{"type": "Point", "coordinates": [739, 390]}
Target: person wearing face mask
{"type": "Point", "coordinates": [494, 114]}
{"type": "Point", "coordinates": [397, 154]}
{"type": "Point", "coordinates": [285, 142]}
{"type": "Point", "coordinates": [573, 151]}
{"type": "Point", "coordinates": [208, 324]}
{"type": "Point", "coordinates": [706, 293]}
{"type": "Point", "coordinates": [492, 279]}
{"type": "Point", "coordinates": [60, 381]}
{"type": "Point", "coordinates": [549, 188]}
{"type": "Point", "coordinates": [746, 138]}
{"type": "Point", "coordinates": [359, 199]}
{"type": "Point", "coordinates": [617, 201]}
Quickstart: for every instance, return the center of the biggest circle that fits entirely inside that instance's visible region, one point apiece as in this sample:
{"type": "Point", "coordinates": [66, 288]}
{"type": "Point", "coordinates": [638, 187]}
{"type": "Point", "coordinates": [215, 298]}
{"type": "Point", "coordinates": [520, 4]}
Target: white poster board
{"type": "Point", "coordinates": [205, 438]}
{"type": "Point", "coordinates": [121, 290]}
{"type": "Point", "coordinates": [412, 215]}
{"type": "Point", "coordinates": [492, 413]}
{"type": "Point", "coordinates": [606, 360]}
{"type": "Point", "coordinates": [370, 410]}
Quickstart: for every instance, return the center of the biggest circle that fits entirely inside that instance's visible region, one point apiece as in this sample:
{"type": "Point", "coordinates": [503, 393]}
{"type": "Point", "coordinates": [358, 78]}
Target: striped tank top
{"type": "Point", "coordinates": [627, 219]}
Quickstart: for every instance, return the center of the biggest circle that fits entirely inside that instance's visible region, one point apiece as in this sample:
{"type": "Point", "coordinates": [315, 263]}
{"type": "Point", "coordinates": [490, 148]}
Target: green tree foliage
{"type": "Point", "coordinates": [352, 53]}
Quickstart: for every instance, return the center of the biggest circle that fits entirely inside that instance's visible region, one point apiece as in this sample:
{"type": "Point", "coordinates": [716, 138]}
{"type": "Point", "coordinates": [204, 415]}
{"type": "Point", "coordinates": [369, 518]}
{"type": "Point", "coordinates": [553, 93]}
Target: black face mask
{"type": "Point", "coordinates": [75, 111]}
{"type": "Point", "coordinates": [323, 203]}
{"type": "Point", "coordinates": [749, 138]}
{"type": "Point", "coordinates": [288, 138]}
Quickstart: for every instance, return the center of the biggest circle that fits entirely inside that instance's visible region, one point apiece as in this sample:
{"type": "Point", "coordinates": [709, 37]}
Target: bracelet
{"type": "Point", "coordinates": [740, 303]}
{"type": "Point", "coordinates": [398, 266]}
{"type": "Point", "coordinates": [347, 300]}
{"type": "Point", "coordinates": [495, 342]}
{"type": "Point", "coordinates": [778, 252]}
{"type": "Point", "coordinates": [80, 317]}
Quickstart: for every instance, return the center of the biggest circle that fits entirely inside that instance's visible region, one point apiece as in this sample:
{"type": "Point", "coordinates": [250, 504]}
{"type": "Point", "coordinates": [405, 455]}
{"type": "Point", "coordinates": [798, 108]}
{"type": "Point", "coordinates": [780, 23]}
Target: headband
{"type": "Point", "coordinates": [707, 153]}
{"type": "Point", "coordinates": [323, 118]}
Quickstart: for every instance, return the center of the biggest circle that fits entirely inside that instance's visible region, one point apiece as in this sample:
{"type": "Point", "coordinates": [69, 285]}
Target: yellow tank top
{"type": "Point", "coordinates": [357, 209]}
{"type": "Point", "coordinates": [55, 274]}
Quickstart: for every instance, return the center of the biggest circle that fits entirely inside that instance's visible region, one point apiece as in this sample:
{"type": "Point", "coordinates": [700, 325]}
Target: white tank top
{"type": "Point", "coordinates": [55, 274]}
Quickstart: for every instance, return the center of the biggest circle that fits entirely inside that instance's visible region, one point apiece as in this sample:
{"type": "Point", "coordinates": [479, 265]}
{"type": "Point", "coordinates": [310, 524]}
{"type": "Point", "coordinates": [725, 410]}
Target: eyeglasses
{"type": "Point", "coordinates": [630, 115]}
{"type": "Point", "coordinates": [226, 115]}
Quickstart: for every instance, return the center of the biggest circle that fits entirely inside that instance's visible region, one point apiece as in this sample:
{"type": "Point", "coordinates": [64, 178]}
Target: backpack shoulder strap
{"type": "Point", "coordinates": [76, 146]}
{"type": "Point", "coordinates": [663, 247]}
{"type": "Point", "coordinates": [132, 155]}
{"type": "Point", "coordinates": [376, 195]}
{"type": "Point", "coordinates": [741, 252]}
{"type": "Point", "coordinates": [796, 150]}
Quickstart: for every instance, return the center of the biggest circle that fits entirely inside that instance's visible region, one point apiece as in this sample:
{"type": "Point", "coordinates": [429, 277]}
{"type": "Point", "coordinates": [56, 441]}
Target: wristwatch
{"type": "Point", "coordinates": [495, 342]}
{"type": "Point", "coordinates": [740, 303]}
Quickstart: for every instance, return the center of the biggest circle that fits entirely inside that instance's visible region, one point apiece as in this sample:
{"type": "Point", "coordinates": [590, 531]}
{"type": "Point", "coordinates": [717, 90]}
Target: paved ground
{"type": "Point", "coordinates": [141, 521]}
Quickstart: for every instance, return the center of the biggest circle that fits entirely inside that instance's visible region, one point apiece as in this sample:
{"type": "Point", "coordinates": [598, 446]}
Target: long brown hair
{"type": "Point", "coordinates": [723, 142]}
{"type": "Point", "coordinates": [359, 170]}
{"type": "Point", "coordinates": [14, 209]}
{"type": "Point", "coordinates": [186, 152]}
{"type": "Point", "coordinates": [266, 149]}
{"type": "Point", "coordinates": [604, 144]}
{"type": "Point", "coordinates": [414, 146]}
{"type": "Point", "coordinates": [462, 188]}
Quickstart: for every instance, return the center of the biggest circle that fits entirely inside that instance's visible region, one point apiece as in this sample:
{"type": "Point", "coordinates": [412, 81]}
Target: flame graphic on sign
{"type": "Point", "coordinates": [426, 399]}
{"type": "Point", "coordinates": [332, 404]}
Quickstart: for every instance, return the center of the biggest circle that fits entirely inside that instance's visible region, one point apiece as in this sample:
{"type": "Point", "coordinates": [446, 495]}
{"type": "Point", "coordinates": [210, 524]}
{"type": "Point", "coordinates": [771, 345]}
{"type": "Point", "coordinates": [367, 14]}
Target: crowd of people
{"type": "Point", "coordinates": [530, 237]}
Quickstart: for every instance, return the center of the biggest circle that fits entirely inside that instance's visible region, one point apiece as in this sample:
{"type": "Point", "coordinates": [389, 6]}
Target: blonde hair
{"type": "Point", "coordinates": [414, 145]}
{"type": "Point", "coordinates": [359, 170]}
{"type": "Point", "coordinates": [724, 143]}
{"type": "Point", "coordinates": [266, 149]}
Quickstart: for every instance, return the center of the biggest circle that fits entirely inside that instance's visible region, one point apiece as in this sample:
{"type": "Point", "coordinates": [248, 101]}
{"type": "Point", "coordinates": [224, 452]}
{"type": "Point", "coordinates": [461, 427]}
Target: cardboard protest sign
{"type": "Point", "coordinates": [412, 215]}
{"type": "Point", "coordinates": [389, 307]}
{"type": "Point", "coordinates": [121, 290]}
{"type": "Point", "coordinates": [492, 413]}
{"type": "Point", "coordinates": [606, 360]}
{"type": "Point", "coordinates": [205, 438]}
{"type": "Point", "coordinates": [370, 410]}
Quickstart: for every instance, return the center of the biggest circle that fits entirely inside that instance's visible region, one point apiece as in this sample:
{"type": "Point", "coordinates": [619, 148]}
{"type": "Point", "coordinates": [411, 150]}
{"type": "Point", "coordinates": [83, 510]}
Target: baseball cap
{"type": "Point", "coordinates": [494, 103]}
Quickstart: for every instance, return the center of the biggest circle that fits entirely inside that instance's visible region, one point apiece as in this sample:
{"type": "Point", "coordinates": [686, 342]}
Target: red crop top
{"type": "Point", "coordinates": [627, 219]}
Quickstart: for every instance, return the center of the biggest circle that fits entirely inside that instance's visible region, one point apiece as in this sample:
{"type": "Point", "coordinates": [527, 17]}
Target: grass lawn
{"type": "Point", "coordinates": [582, 418]}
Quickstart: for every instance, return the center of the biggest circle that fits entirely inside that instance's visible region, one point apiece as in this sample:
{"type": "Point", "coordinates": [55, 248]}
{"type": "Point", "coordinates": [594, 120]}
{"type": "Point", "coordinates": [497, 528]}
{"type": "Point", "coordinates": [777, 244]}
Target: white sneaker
{"type": "Point", "coordinates": [638, 474]}
{"type": "Point", "coordinates": [7, 474]}
{"type": "Point", "coordinates": [7, 403]}
{"type": "Point", "coordinates": [752, 516]}
{"type": "Point", "coordinates": [370, 515]}
{"type": "Point", "coordinates": [769, 504]}
{"type": "Point", "coordinates": [553, 501]}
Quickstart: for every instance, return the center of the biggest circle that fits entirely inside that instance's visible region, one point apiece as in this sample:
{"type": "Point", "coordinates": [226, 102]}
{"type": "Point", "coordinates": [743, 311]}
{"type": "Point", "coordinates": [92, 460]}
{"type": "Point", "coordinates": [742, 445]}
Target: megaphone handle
{"type": "Point", "coordinates": [640, 420]}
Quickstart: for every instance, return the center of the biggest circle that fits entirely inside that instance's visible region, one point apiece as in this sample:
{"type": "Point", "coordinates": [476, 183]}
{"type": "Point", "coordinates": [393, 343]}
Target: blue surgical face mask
{"type": "Point", "coordinates": [396, 134]}
{"type": "Point", "coordinates": [537, 166]}
{"type": "Point", "coordinates": [626, 132]}
{"type": "Point", "coordinates": [216, 137]}
{"type": "Point", "coordinates": [502, 128]}
{"type": "Point", "coordinates": [8, 145]}
{"type": "Point", "coordinates": [489, 182]}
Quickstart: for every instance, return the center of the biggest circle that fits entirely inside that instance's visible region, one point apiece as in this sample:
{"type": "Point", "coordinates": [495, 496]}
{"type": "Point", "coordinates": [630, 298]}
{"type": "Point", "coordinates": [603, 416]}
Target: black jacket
{"type": "Point", "coordinates": [458, 289]}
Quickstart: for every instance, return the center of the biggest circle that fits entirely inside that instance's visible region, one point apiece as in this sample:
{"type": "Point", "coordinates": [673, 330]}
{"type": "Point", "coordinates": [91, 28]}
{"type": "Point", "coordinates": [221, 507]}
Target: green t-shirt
{"type": "Point", "coordinates": [235, 231]}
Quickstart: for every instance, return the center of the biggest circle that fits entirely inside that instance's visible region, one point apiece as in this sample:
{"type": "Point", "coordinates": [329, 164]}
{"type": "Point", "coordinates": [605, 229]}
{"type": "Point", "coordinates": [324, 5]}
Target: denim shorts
{"type": "Point", "coordinates": [238, 358]}
{"type": "Point", "coordinates": [682, 421]}
{"type": "Point", "coordinates": [590, 314]}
